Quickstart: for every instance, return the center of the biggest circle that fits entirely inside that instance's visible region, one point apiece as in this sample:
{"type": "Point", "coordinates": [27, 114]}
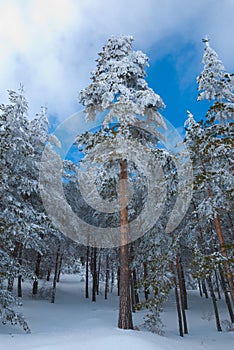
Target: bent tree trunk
{"type": "Point", "coordinates": [125, 312]}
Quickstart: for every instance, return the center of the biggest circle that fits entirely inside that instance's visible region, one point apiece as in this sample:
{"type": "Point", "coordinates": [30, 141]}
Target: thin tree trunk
{"type": "Point", "coordinates": [37, 273]}
{"type": "Point", "coordinates": [184, 285]}
{"type": "Point", "coordinates": [94, 273]}
{"type": "Point", "coordinates": [20, 252]}
{"type": "Point", "coordinates": [125, 312]}
{"type": "Point", "coordinates": [118, 282]}
{"type": "Point", "coordinates": [216, 311]}
{"type": "Point", "coordinates": [59, 268]}
{"type": "Point", "coordinates": [146, 290]}
{"type": "Point", "coordinates": [87, 273]}
{"type": "Point", "coordinates": [112, 278]}
{"type": "Point", "coordinates": [48, 274]}
{"type": "Point", "coordinates": [134, 277]}
{"type": "Point", "coordinates": [217, 284]}
{"type": "Point", "coordinates": [55, 275]}
{"type": "Point", "coordinates": [98, 273]}
{"type": "Point", "coordinates": [107, 276]}
{"type": "Point", "coordinates": [226, 295]}
{"type": "Point", "coordinates": [177, 301]}
{"type": "Point", "coordinates": [199, 286]}
{"type": "Point", "coordinates": [204, 289]}
{"type": "Point", "coordinates": [182, 297]}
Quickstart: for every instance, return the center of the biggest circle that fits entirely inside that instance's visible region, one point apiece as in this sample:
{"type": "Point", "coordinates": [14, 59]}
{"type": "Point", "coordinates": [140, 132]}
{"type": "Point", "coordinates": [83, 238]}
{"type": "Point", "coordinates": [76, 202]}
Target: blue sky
{"type": "Point", "coordinates": [50, 46]}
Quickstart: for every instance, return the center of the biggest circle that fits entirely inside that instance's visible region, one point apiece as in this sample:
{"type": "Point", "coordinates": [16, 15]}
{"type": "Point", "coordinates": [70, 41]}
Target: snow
{"type": "Point", "coordinates": [76, 323]}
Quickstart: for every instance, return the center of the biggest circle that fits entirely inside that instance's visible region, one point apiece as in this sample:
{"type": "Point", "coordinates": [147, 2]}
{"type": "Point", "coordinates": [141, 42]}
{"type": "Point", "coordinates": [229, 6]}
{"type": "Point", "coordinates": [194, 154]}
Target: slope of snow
{"type": "Point", "coordinates": [75, 323]}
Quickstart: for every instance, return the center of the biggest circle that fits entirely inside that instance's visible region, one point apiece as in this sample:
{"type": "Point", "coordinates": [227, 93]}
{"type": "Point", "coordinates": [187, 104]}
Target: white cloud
{"type": "Point", "coordinates": [51, 45]}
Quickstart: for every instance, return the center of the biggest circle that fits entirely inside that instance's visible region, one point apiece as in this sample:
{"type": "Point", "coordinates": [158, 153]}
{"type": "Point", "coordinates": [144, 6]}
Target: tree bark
{"type": "Point", "coordinates": [125, 312]}
{"type": "Point", "coordinates": [98, 273]}
{"type": "Point", "coordinates": [223, 250]}
{"type": "Point", "coordinates": [182, 296]}
{"type": "Point", "coordinates": [94, 273]}
{"type": "Point", "coordinates": [87, 273]}
{"type": "Point", "coordinates": [216, 311]}
{"type": "Point", "coordinates": [146, 290]}
{"type": "Point", "coordinates": [217, 284]}
{"type": "Point", "coordinates": [134, 277]}
{"type": "Point", "coordinates": [20, 253]}
{"type": "Point", "coordinates": [37, 273]}
{"type": "Point", "coordinates": [55, 275]}
{"type": "Point", "coordinates": [177, 301]}
{"type": "Point", "coordinates": [184, 285]}
{"type": "Point", "coordinates": [199, 286]}
{"type": "Point", "coordinates": [48, 274]}
{"type": "Point", "coordinates": [107, 276]}
{"type": "Point", "coordinates": [204, 289]}
{"type": "Point", "coordinates": [226, 295]}
{"type": "Point", "coordinates": [112, 279]}
{"type": "Point", "coordinates": [118, 281]}
{"type": "Point", "coordinates": [59, 268]}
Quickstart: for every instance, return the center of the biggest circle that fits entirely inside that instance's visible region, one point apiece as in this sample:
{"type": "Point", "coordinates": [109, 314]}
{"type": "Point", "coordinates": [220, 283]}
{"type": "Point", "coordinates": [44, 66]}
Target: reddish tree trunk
{"type": "Point", "coordinates": [125, 312]}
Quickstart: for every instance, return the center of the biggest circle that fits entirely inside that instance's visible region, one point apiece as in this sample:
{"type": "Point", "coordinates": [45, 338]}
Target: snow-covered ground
{"type": "Point", "coordinates": [75, 323]}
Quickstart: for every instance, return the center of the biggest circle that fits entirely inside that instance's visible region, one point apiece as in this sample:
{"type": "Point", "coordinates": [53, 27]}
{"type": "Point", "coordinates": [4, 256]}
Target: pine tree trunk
{"type": "Point", "coordinates": [98, 273]}
{"type": "Point", "coordinates": [118, 281]}
{"type": "Point", "coordinates": [94, 273]}
{"type": "Point", "coordinates": [226, 295]}
{"type": "Point", "coordinates": [223, 250]}
{"type": "Point", "coordinates": [20, 253]}
{"type": "Point", "coordinates": [204, 289]}
{"type": "Point", "coordinates": [216, 311]}
{"type": "Point", "coordinates": [199, 286]}
{"type": "Point", "coordinates": [217, 284]}
{"type": "Point", "coordinates": [134, 277]}
{"type": "Point", "coordinates": [37, 273]}
{"type": "Point", "coordinates": [87, 273]}
{"type": "Point", "coordinates": [182, 296]}
{"type": "Point", "coordinates": [112, 279]}
{"type": "Point", "coordinates": [55, 275]}
{"type": "Point", "coordinates": [48, 274]}
{"type": "Point", "coordinates": [125, 312]}
{"type": "Point", "coordinates": [60, 268]}
{"type": "Point", "coordinates": [146, 290]}
{"type": "Point", "coordinates": [184, 286]}
{"type": "Point", "coordinates": [107, 276]}
{"type": "Point", "coordinates": [177, 301]}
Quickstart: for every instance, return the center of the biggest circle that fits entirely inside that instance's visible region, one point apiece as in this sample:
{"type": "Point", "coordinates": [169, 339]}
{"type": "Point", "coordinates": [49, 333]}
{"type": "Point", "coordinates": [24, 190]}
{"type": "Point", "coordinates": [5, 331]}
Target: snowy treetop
{"type": "Point", "coordinates": [118, 84]}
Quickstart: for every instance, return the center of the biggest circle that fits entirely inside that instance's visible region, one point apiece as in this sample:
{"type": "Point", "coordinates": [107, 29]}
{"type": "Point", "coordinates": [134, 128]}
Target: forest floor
{"type": "Point", "coordinates": [76, 323]}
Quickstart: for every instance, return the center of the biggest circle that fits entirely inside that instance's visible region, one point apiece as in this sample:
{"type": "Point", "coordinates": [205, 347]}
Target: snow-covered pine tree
{"type": "Point", "coordinates": [218, 87]}
{"type": "Point", "coordinates": [118, 86]}
{"type": "Point", "coordinates": [15, 213]}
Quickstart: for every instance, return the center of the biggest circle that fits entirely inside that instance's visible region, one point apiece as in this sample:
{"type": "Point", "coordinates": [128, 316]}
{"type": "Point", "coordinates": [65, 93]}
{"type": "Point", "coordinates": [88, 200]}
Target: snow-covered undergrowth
{"type": "Point", "coordinates": [75, 323]}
